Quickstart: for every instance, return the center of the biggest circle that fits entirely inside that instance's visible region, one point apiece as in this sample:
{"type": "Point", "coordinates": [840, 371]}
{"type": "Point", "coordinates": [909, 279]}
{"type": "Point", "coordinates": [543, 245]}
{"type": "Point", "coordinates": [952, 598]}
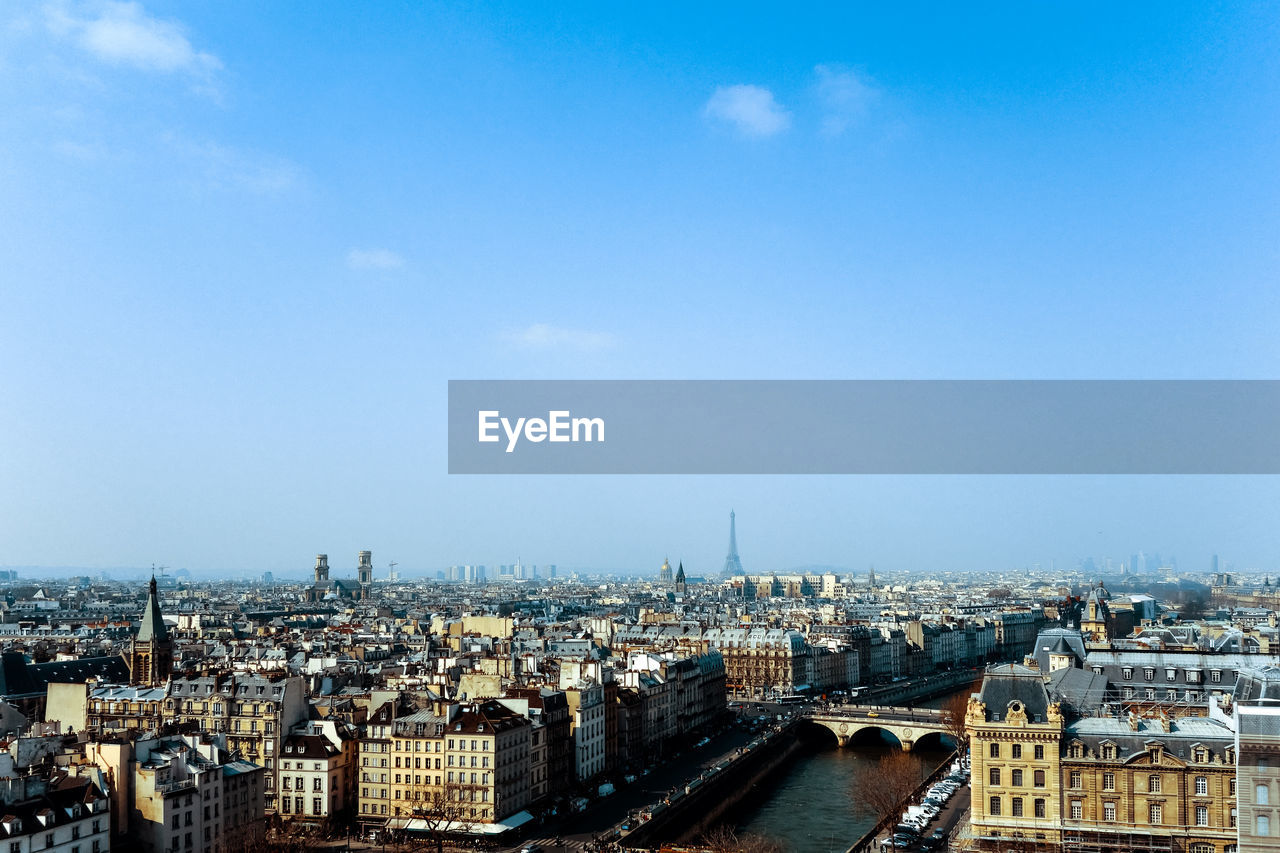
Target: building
{"type": "Point", "coordinates": [151, 654]}
{"type": "Point", "coordinates": [180, 794]}
{"type": "Point", "coordinates": [587, 725]}
{"type": "Point", "coordinates": [253, 711]}
{"type": "Point", "coordinates": [55, 813]}
{"type": "Point", "coordinates": [761, 661]}
{"type": "Point", "coordinates": [1257, 720]}
{"type": "Point", "coordinates": [1047, 776]}
{"type": "Point", "coordinates": [373, 789]}
{"type": "Point", "coordinates": [316, 773]}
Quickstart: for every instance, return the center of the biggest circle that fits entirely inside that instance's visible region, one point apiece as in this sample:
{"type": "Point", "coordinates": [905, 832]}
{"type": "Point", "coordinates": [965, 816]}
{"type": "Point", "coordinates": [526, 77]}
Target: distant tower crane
{"type": "Point", "coordinates": [391, 570]}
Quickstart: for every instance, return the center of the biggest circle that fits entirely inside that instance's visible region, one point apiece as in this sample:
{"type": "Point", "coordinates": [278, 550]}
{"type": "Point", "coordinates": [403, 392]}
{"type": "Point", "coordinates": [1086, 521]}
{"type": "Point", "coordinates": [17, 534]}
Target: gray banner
{"type": "Point", "coordinates": [864, 427]}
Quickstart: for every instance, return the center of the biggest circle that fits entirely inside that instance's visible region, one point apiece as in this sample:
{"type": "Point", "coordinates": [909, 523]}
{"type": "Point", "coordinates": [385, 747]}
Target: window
{"type": "Point", "coordinates": [994, 750]}
{"type": "Point", "coordinates": [1077, 810]}
{"type": "Point", "coordinates": [1108, 781]}
{"type": "Point", "coordinates": [1263, 826]}
{"type": "Point", "coordinates": [1017, 750]}
{"type": "Point", "coordinates": [1037, 778]}
{"type": "Point", "coordinates": [1039, 752]}
{"type": "Point", "coordinates": [1039, 808]}
{"type": "Point", "coordinates": [1015, 778]}
{"type": "Point", "coordinates": [995, 776]}
{"type": "Point", "coordinates": [1149, 673]}
{"type": "Point", "coordinates": [1153, 784]}
{"type": "Point", "coordinates": [1108, 752]}
{"type": "Point", "coordinates": [1262, 795]}
{"type": "Point", "coordinates": [1202, 786]}
{"type": "Point", "coordinates": [994, 806]}
{"type": "Point", "coordinates": [1215, 676]}
{"type": "Point", "coordinates": [1016, 806]}
{"type": "Point", "coordinates": [1202, 815]}
{"type": "Point", "coordinates": [1127, 673]}
{"type": "Point", "coordinates": [1151, 693]}
{"type": "Point", "coordinates": [1200, 848]}
{"type": "Point", "coordinates": [1170, 675]}
{"type": "Point", "coordinates": [1075, 779]}
{"type": "Point", "coordinates": [1109, 811]}
{"type": "Point", "coordinates": [1233, 819]}
{"type": "Point", "coordinates": [1155, 814]}
{"type": "Point", "coordinates": [1231, 787]}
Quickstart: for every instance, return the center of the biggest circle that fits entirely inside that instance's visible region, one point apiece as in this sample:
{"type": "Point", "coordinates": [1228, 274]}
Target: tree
{"type": "Point", "coordinates": [1193, 608]}
{"type": "Point", "coordinates": [953, 714]}
{"type": "Point", "coordinates": [723, 839]}
{"type": "Point", "coordinates": [1000, 592]}
{"type": "Point", "coordinates": [443, 810]}
{"type": "Point", "coordinates": [883, 791]}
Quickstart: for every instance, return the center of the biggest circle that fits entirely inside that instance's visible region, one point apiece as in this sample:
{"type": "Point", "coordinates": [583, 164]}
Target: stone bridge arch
{"type": "Point", "coordinates": [848, 731]}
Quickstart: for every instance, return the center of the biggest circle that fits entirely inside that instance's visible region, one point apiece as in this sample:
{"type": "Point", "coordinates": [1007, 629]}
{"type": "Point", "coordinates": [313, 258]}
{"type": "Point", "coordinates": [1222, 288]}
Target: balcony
{"type": "Point", "coordinates": [167, 788]}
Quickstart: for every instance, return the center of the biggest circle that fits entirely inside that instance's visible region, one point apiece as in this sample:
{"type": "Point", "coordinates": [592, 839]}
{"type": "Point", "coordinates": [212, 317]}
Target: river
{"type": "Point", "coordinates": [810, 808]}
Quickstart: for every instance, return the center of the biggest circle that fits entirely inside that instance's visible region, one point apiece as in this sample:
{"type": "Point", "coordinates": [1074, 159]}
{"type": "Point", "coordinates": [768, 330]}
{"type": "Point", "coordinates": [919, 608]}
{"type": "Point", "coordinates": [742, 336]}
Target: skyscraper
{"type": "Point", "coordinates": [732, 565]}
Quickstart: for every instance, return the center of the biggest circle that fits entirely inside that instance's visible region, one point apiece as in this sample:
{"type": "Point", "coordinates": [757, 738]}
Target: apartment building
{"type": "Point", "coordinates": [253, 711]}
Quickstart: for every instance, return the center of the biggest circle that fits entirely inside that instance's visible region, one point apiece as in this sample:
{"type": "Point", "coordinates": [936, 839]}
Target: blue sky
{"type": "Point", "coordinates": [244, 247]}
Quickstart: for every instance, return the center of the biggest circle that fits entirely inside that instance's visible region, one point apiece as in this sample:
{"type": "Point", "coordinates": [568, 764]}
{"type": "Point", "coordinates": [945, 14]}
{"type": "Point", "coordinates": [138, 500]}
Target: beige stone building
{"type": "Point", "coordinates": [253, 711]}
{"type": "Point", "coordinates": [467, 763]}
{"type": "Point", "coordinates": [1047, 777]}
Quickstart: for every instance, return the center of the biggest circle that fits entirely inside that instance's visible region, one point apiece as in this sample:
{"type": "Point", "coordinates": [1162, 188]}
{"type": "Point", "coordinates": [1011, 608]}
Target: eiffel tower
{"type": "Point", "coordinates": [732, 565]}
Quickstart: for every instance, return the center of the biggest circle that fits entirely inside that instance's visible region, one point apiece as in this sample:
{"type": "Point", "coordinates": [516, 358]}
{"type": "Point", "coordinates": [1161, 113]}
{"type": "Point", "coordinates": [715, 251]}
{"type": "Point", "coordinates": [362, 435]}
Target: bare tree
{"type": "Point", "coordinates": [441, 811]}
{"type": "Point", "coordinates": [953, 714]}
{"type": "Point", "coordinates": [723, 839]}
{"type": "Point", "coordinates": [884, 790]}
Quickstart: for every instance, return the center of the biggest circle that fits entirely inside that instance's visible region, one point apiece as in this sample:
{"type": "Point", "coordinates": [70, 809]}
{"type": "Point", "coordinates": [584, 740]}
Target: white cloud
{"type": "Point", "coordinates": [752, 110]}
{"type": "Point", "coordinates": [846, 96]}
{"type": "Point", "coordinates": [211, 166]}
{"type": "Point", "coordinates": [374, 259]}
{"type": "Point", "coordinates": [122, 33]}
{"type": "Point", "coordinates": [544, 336]}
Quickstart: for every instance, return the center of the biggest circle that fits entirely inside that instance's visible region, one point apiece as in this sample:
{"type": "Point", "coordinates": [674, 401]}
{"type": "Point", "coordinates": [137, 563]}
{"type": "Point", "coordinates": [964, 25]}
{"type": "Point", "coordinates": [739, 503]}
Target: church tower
{"type": "Point", "coordinates": [680, 582]}
{"type": "Point", "coordinates": [151, 654]}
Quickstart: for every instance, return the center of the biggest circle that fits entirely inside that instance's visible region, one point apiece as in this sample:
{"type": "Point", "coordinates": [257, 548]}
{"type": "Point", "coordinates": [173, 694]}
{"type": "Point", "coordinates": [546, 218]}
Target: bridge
{"type": "Point", "coordinates": [907, 725]}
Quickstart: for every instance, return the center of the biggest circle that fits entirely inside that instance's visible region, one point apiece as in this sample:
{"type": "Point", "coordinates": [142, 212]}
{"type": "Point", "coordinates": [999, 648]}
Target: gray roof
{"type": "Point", "coordinates": [152, 627]}
{"type": "Point", "coordinates": [1082, 691]}
{"type": "Point", "coordinates": [1008, 682]}
{"type": "Point", "coordinates": [1050, 641]}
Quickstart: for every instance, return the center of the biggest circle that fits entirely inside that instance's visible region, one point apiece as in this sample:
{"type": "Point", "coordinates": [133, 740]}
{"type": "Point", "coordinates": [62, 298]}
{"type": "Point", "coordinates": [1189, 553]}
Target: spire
{"type": "Point", "coordinates": [152, 627]}
{"type": "Point", "coordinates": [732, 565]}
{"type": "Point", "coordinates": [680, 573]}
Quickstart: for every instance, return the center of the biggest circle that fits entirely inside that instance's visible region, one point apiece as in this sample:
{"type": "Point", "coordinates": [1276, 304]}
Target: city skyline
{"type": "Point", "coordinates": [245, 251]}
